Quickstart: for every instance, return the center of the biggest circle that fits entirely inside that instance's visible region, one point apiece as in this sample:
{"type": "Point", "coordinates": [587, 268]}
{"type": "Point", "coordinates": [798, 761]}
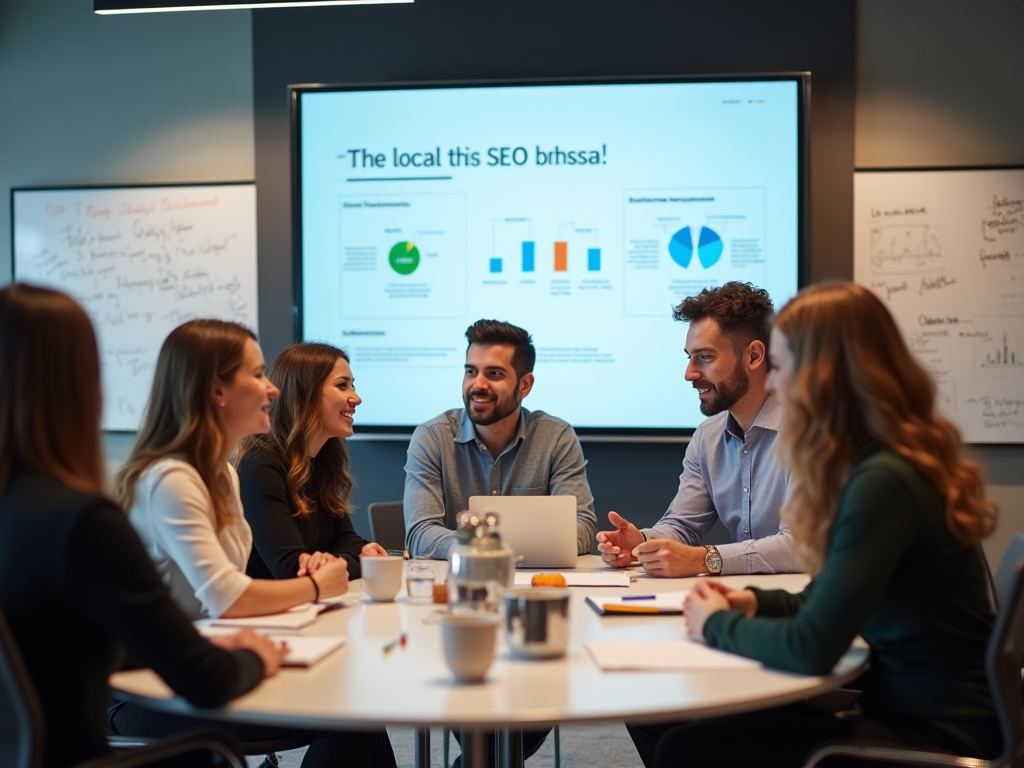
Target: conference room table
{"type": "Point", "coordinates": [364, 685]}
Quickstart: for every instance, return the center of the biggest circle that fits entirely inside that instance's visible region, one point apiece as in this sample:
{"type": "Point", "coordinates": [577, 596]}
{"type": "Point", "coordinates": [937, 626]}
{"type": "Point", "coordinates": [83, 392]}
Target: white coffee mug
{"type": "Point", "coordinates": [381, 577]}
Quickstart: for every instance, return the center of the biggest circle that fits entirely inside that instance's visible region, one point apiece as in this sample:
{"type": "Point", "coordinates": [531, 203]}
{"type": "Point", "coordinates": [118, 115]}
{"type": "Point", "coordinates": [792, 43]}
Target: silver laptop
{"type": "Point", "coordinates": [542, 529]}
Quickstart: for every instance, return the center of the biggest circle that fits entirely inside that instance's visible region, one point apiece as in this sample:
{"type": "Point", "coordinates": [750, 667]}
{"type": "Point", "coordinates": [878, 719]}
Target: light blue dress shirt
{"type": "Point", "coordinates": [734, 477]}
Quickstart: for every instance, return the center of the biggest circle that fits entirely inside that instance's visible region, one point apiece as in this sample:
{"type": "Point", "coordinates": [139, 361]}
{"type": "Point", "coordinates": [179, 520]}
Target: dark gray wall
{"type": "Point", "coordinates": [467, 39]}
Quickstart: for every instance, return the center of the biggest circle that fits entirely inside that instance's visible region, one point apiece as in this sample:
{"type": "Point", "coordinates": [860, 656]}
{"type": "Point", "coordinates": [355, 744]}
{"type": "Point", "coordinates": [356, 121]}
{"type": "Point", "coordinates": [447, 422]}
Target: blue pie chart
{"type": "Point", "coordinates": [680, 247]}
{"type": "Point", "coordinates": [709, 247]}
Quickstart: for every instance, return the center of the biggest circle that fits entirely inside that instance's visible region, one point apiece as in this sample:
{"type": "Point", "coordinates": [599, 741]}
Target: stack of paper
{"type": "Point", "coordinates": [664, 656]}
{"type": "Point", "coordinates": [296, 618]}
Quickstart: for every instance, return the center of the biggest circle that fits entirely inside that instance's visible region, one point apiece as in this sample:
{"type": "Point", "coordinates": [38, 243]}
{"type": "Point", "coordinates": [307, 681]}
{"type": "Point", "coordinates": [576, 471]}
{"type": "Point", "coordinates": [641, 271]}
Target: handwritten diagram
{"type": "Point", "coordinates": [141, 261]}
{"type": "Point", "coordinates": [945, 251]}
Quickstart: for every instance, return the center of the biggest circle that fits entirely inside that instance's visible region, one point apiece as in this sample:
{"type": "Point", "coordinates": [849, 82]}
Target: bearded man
{"type": "Point", "coordinates": [492, 447]}
{"type": "Point", "coordinates": [729, 470]}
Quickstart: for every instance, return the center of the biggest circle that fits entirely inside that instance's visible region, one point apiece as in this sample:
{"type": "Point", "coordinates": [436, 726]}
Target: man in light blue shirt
{"type": "Point", "coordinates": [730, 472]}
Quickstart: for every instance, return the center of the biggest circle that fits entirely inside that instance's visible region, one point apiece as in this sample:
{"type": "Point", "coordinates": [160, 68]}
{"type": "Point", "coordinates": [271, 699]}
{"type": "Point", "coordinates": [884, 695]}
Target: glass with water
{"type": "Point", "coordinates": [419, 583]}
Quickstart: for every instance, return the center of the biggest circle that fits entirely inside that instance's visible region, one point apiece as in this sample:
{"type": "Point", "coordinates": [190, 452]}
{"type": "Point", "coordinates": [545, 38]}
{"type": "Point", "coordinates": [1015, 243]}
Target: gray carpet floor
{"type": "Point", "coordinates": [582, 746]}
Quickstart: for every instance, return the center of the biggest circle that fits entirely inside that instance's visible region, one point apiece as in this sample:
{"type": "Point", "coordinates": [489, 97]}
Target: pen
{"type": "Point", "coordinates": [638, 597]}
{"type": "Point", "coordinates": [392, 644]}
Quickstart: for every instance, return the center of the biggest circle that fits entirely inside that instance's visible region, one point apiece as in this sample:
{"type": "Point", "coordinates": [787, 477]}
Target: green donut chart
{"type": "Point", "coordinates": [404, 258]}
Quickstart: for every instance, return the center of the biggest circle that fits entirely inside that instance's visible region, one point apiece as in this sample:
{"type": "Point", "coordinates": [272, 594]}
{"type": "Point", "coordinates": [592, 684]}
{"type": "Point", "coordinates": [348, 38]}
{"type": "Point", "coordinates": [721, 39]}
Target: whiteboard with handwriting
{"type": "Point", "coordinates": [141, 260]}
{"type": "Point", "coordinates": [944, 250]}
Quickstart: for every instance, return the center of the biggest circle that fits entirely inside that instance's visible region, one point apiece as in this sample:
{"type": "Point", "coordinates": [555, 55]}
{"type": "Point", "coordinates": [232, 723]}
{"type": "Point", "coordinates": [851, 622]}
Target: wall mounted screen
{"type": "Point", "coordinates": [582, 212]}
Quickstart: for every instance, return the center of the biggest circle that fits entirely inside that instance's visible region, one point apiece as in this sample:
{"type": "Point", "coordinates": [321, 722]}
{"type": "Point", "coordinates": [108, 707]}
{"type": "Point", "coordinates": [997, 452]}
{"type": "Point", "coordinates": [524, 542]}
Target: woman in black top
{"type": "Point", "coordinates": [95, 593]}
{"type": "Point", "coordinates": [294, 480]}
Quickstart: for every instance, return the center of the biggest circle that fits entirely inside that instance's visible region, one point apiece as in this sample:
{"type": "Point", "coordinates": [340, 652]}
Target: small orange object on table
{"type": "Point", "coordinates": [547, 580]}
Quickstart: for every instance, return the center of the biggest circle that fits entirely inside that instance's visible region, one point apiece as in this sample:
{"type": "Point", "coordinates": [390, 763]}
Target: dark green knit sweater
{"type": "Point", "coordinates": [895, 575]}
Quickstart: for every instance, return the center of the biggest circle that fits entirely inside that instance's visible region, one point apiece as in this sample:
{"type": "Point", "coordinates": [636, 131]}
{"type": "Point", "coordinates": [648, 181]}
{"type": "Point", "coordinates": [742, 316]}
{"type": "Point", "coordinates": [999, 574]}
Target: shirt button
{"type": "Point", "coordinates": [744, 490]}
{"type": "Point", "coordinates": [494, 493]}
{"type": "Point", "coordinates": [745, 450]}
{"type": "Point", "coordinates": [746, 530]}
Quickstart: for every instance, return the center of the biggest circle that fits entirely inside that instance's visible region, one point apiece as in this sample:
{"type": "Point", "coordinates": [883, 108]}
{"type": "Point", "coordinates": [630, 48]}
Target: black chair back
{"type": "Point", "coordinates": [21, 717]}
{"type": "Point", "coordinates": [387, 524]}
{"type": "Point", "coordinates": [1003, 666]}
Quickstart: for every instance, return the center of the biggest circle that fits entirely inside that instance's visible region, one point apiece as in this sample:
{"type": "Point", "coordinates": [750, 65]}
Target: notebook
{"type": "Point", "coordinates": [303, 650]}
{"type": "Point", "coordinates": [666, 603]}
{"type": "Point", "coordinates": [540, 529]}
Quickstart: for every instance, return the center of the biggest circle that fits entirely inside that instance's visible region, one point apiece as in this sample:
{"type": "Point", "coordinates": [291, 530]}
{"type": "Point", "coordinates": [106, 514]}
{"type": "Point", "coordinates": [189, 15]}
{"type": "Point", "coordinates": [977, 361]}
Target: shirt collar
{"type": "Point", "coordinates": [769, 417]}
{"type": "Point", "coordinates": [467, 432]}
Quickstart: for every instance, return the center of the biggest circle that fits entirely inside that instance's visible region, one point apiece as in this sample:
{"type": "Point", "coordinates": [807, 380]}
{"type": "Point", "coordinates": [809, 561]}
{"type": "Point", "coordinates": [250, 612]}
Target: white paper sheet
{"type": "Point", "coordinates": [664, 656]}
{"type": "Point", "coordinates": [580, 578]}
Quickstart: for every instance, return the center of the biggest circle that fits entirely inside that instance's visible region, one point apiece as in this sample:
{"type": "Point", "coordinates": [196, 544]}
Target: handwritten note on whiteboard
{"type": "Point", "coordinates": [945, 251]}
{"type": "Point", "coordinates": [141, 260]}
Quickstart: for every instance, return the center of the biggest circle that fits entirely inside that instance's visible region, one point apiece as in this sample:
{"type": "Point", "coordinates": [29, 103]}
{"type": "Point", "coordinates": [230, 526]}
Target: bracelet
{"type": "Point", "coordinates": [315, 587]}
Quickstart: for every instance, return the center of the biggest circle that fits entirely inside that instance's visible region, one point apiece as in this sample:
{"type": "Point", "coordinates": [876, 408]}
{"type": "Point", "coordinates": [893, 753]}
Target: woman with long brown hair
{"type": "Point", "coordinates": [96, 591]}
{"type": "Point", "coordinates": [210, 389]}
{"type": "Point", "coordinates": [886, 514]}
{"type": "Point", "coordinates": [294, 479]}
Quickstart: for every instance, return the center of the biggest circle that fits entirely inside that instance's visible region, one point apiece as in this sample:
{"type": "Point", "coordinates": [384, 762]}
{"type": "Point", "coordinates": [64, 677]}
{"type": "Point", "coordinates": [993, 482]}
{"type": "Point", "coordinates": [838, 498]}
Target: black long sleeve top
{"type": "Point", "coordinates": [279, 536]}
{"type": "Point", "coordinates": [78, 590]}
{"type": "Point", "coordinates": [894, 574]}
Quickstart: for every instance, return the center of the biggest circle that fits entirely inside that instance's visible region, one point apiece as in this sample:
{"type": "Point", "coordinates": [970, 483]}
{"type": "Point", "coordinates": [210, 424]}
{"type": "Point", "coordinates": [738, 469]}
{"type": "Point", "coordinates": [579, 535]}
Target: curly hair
{"type": "Point", "coordinates": [300, 371]}
{"type": "Point", "coordinates": [743, 312]}
{"type": "Point", "coordinates": [856, 384]}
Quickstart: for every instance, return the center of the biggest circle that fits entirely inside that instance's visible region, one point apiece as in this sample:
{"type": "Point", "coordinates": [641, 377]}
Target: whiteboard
{"type": "Point", "coordinates": [141, 260]}
{"type": "Point", "coordinates": [944, 250]}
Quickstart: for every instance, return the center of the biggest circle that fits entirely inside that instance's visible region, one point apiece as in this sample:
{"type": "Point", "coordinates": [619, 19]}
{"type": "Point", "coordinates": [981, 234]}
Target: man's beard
{"type": "Point", "coordinates": [728, 393]}
{"type": "Point", "coordinates": [502, 407]}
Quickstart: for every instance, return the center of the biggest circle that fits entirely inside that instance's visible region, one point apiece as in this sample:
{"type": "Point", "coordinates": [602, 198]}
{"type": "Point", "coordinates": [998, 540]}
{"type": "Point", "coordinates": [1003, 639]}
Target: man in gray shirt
{"type": "Point", "coordinates": [492, 447]}
{"type": "Point", "coordinates": [730, 472]}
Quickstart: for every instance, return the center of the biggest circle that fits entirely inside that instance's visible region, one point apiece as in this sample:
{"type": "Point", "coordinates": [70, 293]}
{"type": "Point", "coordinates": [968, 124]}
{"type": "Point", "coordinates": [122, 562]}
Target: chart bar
{"type": "Point", "coordinates": [495, 265]}
{"type": "Point", "coordinates": [528, 253]}
{"type": "Point", "coordinates": [594, 259]}
{"type": "Point", "coordinates": [561, 257]}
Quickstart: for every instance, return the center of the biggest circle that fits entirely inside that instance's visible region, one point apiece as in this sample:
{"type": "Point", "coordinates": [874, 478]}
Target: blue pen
{"type": "Point", "coordinates": [638, 597]}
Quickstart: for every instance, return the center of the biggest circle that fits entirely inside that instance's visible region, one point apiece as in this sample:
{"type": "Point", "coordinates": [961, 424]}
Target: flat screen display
{"type": "Point", "coordinates": [582, 212]}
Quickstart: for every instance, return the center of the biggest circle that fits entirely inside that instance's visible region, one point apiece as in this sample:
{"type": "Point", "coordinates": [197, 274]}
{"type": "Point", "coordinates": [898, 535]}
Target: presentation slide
{"type": "Point", "coordinates": [583, 213]}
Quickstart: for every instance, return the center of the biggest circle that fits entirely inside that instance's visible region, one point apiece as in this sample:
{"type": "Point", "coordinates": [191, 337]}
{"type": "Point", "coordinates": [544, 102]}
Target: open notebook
{"type": "Point", "coordinates": [303, 650]}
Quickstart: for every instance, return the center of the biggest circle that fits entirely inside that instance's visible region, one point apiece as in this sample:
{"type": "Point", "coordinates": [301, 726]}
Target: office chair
{"type": "Point", "coordinates": [21, 725]}
{"type": "Point", "coordinates": [1003, 670]}
{"type": "Point", "coordinates": [1002, 580]}
{"type": "Point", "coordinates": [387, 524]}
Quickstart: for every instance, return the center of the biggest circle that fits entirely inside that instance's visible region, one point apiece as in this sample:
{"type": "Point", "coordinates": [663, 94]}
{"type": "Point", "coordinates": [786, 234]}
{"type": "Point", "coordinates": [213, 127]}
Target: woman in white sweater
{"type": "Point", "coordinates": [209, 390]}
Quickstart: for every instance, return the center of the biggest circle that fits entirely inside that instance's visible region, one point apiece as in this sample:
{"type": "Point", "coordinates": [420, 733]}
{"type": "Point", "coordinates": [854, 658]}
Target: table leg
{"type": "Point", "coordinates": [474, 747]}
{"type": "Point", "coordinates": [513, 748]}
{"type": "Point", "coordinates": [422, 748]}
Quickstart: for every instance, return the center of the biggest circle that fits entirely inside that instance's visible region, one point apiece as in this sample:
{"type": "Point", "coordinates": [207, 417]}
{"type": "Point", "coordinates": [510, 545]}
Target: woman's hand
{"type": "Point", "coordinates": [311, 563]}
{"type": "Point", "coordinates": [332, 578]}
{"type": "Point", "coordinates": [701, 602]}
{"type": "Point", "coordinates": [270, 653]}
{"type": "Point", "coordinates": [373, 549]}
{"type": "Point", "coordinates": [740, 600]}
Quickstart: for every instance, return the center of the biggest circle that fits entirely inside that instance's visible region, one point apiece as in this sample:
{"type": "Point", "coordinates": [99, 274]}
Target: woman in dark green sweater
{"type": "Point", "coordinates": [886, 515]}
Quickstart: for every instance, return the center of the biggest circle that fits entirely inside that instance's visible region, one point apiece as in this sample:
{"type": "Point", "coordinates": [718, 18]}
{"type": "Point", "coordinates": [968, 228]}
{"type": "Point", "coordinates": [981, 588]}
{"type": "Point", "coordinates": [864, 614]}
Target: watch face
{"type": "Point", "coordinates": [713, 561]}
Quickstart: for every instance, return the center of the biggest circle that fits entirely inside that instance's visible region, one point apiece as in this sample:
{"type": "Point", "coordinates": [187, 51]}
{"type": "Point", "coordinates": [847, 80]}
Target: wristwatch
{"type": "Point", "coordinates": [712, 560]}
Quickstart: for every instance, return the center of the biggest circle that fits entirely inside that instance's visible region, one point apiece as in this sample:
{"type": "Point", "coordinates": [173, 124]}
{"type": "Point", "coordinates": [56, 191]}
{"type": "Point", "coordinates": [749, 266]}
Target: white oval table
{"type": "Point", "coordinates": [363, 685]}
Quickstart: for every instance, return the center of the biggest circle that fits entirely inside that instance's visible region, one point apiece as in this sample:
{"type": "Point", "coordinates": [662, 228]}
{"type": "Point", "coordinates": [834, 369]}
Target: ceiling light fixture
{"type": "Point", "coordinates": [110, 7]}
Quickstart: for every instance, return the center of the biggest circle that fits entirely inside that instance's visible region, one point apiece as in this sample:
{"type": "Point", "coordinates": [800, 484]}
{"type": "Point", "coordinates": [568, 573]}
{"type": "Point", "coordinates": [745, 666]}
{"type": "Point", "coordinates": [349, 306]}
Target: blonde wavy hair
{"type": "Point", "coordinates": [856, 384]}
